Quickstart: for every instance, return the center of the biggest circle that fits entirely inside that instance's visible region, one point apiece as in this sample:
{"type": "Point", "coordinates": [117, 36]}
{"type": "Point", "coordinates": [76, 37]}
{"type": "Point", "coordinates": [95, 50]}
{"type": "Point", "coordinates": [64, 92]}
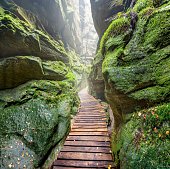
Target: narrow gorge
{"type": "Point", "coordinates": [118, 50]}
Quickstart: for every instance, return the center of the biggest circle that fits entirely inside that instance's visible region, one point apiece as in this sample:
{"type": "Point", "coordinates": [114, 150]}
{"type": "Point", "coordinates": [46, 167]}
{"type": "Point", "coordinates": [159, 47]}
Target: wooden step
{"type": "Point", "coordinates": [79, 163]}
{"type": "Point", "coordinates": [87, 143]}
{"type": "Point", "coordinates": [86, 149]}
{"type": "Point", "coordinates": [88, 138]}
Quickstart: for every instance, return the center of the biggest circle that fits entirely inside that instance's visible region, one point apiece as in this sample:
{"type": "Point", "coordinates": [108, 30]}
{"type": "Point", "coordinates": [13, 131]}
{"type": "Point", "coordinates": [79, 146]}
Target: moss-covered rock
{"type": "Point", "coordinates": [135, 65]}
{"type": "Point", "coordinates": [95, 79]}
{"type": "Point", "coordinates": [144, 139]}
{"type": "Point", "coordinates": [17, 38]}
{"type": "Point", "coordinates": [20, 69]}
{"type": "Point", "coordinates": [38, 81]}
{"type": "Point", "coordinates": [134, 54]}
{"type": "Point", "coordinates": [34, 117]}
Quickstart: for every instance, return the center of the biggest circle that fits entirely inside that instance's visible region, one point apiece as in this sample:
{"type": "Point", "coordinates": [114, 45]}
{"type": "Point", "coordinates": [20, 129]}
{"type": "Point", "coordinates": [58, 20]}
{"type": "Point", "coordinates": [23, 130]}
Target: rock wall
{"type": "Point", "coordinates": [67, 20]}
{"type": "Point", "coordinates": [38, 82]}
{"type": "Point", "coordinates": [103, 12]}
{"type": "Point", "coordinates": [58, 18]}
{"type": "Point", "coordinates": [131, 66]}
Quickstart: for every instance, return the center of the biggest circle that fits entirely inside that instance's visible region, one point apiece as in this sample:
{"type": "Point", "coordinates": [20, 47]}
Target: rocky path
{"type": "Point", "coordinates": [88, 144]}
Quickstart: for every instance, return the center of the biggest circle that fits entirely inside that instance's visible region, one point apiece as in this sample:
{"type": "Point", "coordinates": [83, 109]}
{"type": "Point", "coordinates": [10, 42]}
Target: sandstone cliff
{"type": "Point", "coordinates": [39, 75]}
{"type": "Point", "coordinates": [131, 70]}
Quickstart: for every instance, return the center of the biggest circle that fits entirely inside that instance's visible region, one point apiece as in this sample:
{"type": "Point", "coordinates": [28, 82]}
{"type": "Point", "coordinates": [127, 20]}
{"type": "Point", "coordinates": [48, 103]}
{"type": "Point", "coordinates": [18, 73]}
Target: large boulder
{"type": "Point", "coordinates": [34, 119]}
{"type": "Point", "coordinates": [135, 67]}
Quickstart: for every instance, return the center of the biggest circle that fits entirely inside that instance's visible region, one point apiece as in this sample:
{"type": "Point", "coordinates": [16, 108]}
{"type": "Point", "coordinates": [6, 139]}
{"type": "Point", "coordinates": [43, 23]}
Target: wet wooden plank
{"type": "Point", "coordinates": [88, 127]}
{"type": "Point", "coordinates": [92, 123]}
{"type": "Point", "coordinates": [89, 133]}
{"type": "Point", "coordinates": [65, 167]}
{"type": "Point", "coordinates": [88, 138]}
{"type": "Point", "coordinates": [77, 163]}
{"type": "Point", "coordinates": [91, 115]}
{"type": "Point", "coordinates": [86, 149]}
{"type": "Point", "coordinates": [90, 118]}
{"type": "Point", "coordinates": [87, 143]}
{"type": "Point", "coordinates": [84, 156]}
{"type": "Point", "coordinates": [87, 130]}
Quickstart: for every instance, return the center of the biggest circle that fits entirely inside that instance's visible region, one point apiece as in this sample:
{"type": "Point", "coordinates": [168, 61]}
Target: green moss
{"type": "Point", "coordinates": [26, 37]}
{"type": "Point", "coordinates": [136, 75]}
{"type": "Point", "coordinates": [158, 3]}
{"type": "Point", "coordinates": [141, 4]}
{"type": "Point", "coordinates": [144, 139]}
{"type": "Point", "coordinates": [110, 60]}
{"type": "Point", "coordinates": [157, 33]}
{"type": "Point", "coordinates": [37, 113]}
{"type": "Point", "coordinates": [152, 94]}
{"type": "Point", "coordinates": [117, 27]}
{"type": "Point", "coordinates": [146, 12]}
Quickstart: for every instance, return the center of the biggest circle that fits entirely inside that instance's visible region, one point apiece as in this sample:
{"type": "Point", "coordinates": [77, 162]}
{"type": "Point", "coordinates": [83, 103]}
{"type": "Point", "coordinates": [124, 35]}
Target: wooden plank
{"type": "Point", "coordinates": [88, 138]}
{"type": "Point", "coordinates": [61, 167]}
{"type": "Point", "coordinates": [90, 121]}
{"type": "Point", "coordinates": [94, 129]}
{"type": "Point", "coordinates": [87, 164]}
{"type": "Point", "coordinates": [89, 124]}
{"type": "Point", "coordinates": [89, 105]}
{"type": "Point", "coordinates": [89, 133]}
{"type": "Point", "coordinates": [94, 112]}
{"type": "Point", "coordinates": [96, 123]}
{"type": "Point", "coordinates": [91, 115]}
{"type": "Point", "coordinates": [89, 118]}
{"type": "Point", "coordinates": [86, 149]}
{"type": "Point", "coordinates": [85, 156]}
{"type": "Point", "coordinates": [89, 112]}
{"type": "Point", "coordinates": [88, 127]}
{"type": "Point", "coordinates": [87, 143]}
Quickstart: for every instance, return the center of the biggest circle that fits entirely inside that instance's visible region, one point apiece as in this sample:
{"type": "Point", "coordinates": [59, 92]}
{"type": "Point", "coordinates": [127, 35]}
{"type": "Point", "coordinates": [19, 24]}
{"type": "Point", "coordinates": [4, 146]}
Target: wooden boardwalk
{"type": "Point", "coordinates": [88, 144]}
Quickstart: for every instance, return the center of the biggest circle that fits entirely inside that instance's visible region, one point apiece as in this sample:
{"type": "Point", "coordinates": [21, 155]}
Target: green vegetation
{"type": "Point", "coordinates": [142, 4]}
{"type": "Point", "coordinates": [117, 27]}
{"type": "Point", "coordinates": [144, 139]}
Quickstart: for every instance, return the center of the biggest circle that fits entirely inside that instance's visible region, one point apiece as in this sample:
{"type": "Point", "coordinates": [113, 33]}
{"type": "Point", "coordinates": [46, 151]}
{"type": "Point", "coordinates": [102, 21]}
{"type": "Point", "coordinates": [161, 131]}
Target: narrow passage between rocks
{"type": "Point", "coordinates": [88, 144]}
